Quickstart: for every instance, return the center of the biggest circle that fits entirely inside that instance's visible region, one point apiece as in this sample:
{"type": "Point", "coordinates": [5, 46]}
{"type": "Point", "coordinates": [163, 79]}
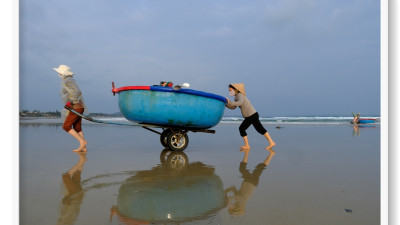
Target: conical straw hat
{"type": "Point", "coordinates": [239, 87]}
{"type": "Point", "coordinates": [64, 70]}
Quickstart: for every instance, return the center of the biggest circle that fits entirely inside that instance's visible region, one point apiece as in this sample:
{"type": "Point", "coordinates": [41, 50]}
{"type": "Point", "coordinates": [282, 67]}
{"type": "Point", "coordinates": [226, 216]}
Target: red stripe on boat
{"type": "Point", "coordinates": [126, 88]}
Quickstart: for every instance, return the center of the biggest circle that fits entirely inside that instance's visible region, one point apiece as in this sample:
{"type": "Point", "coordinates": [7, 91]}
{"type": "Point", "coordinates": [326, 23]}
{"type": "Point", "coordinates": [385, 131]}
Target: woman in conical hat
{"type": "Point", "coordinates": [72, 96]}
{"type": "Point", "coordinates": [250, 115]}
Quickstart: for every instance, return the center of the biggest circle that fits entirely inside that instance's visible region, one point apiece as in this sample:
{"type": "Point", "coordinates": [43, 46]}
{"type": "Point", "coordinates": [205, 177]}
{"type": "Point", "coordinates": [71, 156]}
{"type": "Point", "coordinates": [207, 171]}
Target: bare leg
{"type": "Point", "coordinates": [271, 142]}
{"type": "Point", "coordinates": [82, 141]}
{"type": "Point", "coordinates": [79, 165]}
{"type": "Point", "coordinates": [81, 134]}
{"type": "Point", "coordinates": [246, 154]}
{"type": "Point", "coordinates": [246, 143]}
{"type": "Point", "coordinates": [271, 154]}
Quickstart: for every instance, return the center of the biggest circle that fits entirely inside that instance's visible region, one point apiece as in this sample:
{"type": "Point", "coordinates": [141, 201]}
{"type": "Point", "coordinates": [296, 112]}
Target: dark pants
{"type": "Point", "coordinates": [253, 119]}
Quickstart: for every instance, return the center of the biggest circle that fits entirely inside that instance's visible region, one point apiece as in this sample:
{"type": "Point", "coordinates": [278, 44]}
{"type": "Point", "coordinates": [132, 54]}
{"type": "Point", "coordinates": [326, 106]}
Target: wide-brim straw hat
{"type": "Point", "coordinates": [239, 87]}
{"type": "Point", "coordinates": [64, 70]}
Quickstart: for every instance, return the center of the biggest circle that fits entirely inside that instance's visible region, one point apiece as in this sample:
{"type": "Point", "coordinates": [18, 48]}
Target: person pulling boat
{"type": "Point", "coordinates": [71, 96]}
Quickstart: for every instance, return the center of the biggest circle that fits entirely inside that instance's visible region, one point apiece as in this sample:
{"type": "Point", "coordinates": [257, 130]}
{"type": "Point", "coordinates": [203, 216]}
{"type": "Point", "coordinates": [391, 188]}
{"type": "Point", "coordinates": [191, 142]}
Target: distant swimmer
{"type": "Point", "coordinates": [250, 115]}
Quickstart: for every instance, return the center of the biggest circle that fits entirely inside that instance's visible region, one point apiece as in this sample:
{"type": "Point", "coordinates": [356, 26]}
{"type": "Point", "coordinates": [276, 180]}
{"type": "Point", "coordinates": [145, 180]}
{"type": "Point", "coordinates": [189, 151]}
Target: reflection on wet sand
{"type": "Point", "coordinates": [237, 202]}
{"type": "Point", "coordinates": [175, 191]}
{"type": "Point", "coordinates": [356, 128]}
{"type": "Point", "coordinates": [73, 193]}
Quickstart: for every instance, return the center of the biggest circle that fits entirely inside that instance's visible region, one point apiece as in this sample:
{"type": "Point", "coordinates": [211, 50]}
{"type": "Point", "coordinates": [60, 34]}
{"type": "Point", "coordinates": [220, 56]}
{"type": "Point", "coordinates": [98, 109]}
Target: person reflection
{"type": "Point", "coordinates": [70, 205]}
{"type": "Point", "coordinates": [237, 202]}
{"type": "Point", "coordinates": [356, 130]}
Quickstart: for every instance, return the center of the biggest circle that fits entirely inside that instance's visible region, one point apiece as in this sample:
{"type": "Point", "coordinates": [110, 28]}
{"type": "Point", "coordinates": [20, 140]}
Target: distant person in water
{"type": "Point", "coordinates": [72, 97]}
{"type": "Point", "coordinates": [356, 118]}
{"type": "Point", "coordinates": [250, 115]}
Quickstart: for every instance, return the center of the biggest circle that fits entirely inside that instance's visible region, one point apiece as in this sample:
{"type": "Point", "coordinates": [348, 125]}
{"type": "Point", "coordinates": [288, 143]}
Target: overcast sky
{"type": "Point", "coordinates": [295, 57]}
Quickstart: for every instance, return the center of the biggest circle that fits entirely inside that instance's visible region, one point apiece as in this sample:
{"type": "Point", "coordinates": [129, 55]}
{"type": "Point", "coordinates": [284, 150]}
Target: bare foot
{"type": "Point", "coordinates": [82, 154]}
{"type": "Point", "coordinates": [272, 144]}
{"type": "Point", "coordinates": [82, 147]}
{"type": "Point", "coordinates": [245, 147]}
{"type": "Point", "coordinates": [272, 152]}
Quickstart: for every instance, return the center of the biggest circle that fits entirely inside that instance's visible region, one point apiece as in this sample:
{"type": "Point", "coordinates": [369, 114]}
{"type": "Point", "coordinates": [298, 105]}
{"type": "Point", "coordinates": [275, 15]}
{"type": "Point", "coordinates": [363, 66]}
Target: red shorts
{"type": "Point", "coordinates": [74, 121]}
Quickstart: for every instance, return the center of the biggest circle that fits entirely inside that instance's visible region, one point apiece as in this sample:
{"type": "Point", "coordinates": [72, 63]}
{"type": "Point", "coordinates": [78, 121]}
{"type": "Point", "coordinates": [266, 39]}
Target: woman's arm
{"type": "Point", "coordinates": [229, 104]}
{"type": "Point", "coordinates": [238, 100]}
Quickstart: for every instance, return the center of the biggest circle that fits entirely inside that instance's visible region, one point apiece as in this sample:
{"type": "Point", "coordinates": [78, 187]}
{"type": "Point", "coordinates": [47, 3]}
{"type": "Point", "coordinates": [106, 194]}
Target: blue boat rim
{"type": "Point", "coordinates": [170, 89]}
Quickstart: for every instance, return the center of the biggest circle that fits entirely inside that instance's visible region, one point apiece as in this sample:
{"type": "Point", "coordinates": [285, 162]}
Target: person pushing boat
{"type": "Point", "coordinates": [356, 118]}
{"type": "Point", "coordinates": [71, 96]}
{"type": "Point", "coordinates": [250, 115]}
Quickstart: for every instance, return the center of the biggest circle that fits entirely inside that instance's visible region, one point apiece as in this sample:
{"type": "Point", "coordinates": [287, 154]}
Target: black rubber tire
{"type": "Point", "coordinates": [177, 141]}
{"type": "Point", "coordinates": [163, 138]}
{"type": "Point", "coordinates": [164, 155]}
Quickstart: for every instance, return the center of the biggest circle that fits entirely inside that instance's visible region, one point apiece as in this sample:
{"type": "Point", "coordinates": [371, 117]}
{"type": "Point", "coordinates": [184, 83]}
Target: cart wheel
{"type": "Point", "coordinates": [164, 155]}
{"type": "Point", "coordinates": [177, 141]}
{"type": "Point", "coordinates": [163, 138]}
{"type": "Point", "coordinates": [177, 161]}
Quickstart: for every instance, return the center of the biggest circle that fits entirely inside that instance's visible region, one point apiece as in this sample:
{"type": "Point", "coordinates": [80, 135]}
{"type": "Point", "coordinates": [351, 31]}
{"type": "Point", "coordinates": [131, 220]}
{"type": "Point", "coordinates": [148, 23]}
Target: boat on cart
{"type": "Point", "coordinates": [175, 110]}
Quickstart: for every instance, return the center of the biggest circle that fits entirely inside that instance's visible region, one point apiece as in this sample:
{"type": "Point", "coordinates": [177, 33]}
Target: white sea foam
{"type": "Point", "coordinates": [301, 119]}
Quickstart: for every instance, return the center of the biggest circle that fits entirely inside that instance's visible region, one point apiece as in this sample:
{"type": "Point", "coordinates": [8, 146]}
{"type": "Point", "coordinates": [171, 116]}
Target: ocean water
{"type": "Point", "coordinates": [238, 119]}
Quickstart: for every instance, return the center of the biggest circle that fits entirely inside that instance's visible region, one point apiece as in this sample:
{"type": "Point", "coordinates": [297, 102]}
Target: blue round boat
{"type": "Point", "coordinates": [183, 108]}
{"type": "Point", "coordinates": [363, 121]}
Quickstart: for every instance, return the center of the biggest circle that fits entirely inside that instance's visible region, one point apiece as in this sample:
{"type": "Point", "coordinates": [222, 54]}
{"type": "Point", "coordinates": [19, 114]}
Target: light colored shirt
{"type": "Point", "coordinates": [70, 92]}
{"type": "Point", "coordinates": [243, 103]}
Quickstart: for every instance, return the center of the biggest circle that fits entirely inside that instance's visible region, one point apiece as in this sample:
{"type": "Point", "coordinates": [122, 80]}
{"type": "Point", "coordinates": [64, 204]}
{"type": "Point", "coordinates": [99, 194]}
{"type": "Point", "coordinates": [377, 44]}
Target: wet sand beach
{"type": "Point", "coordinates": [316, 174]}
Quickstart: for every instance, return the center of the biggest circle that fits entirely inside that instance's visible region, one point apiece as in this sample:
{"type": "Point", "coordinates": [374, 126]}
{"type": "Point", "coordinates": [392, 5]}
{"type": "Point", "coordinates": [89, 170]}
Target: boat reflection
{"type": "Point", "coordinates": [73, 193]}
{"type": "Point", "coordinates": [173, 192]}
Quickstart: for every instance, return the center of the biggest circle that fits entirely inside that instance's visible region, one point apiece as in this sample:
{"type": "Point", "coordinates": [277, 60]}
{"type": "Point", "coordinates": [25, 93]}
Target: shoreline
{"type": "Point", "coordinates": [55, 121]}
